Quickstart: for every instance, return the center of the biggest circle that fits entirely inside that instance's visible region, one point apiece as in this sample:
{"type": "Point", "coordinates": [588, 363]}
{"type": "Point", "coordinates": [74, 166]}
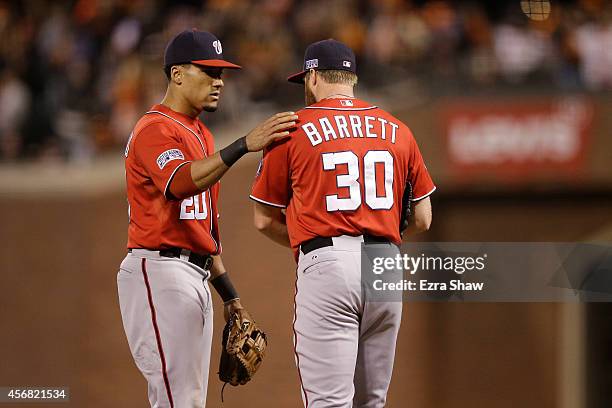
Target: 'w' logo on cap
{"type": "Point", "coordinates": [217, 45]}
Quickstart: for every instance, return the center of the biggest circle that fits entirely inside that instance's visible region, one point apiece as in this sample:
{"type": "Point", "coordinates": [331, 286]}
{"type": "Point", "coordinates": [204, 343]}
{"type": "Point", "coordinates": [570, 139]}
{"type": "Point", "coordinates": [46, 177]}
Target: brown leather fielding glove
{"type": "Point", "coordinates": [243, 349]}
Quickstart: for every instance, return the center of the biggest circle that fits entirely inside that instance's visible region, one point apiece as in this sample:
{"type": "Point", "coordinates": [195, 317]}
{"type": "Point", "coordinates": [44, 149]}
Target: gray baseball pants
{"type": "Point", "coordinates": [167, 315]}
{"type": "Point", "coordinates": [344, 345]}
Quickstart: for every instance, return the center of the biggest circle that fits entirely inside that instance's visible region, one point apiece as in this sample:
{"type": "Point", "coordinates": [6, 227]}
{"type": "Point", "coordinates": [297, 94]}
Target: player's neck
{"type": "Point", "coordinates": [178, 104]}
{"type": "Point", "coordinates": [336, 92]}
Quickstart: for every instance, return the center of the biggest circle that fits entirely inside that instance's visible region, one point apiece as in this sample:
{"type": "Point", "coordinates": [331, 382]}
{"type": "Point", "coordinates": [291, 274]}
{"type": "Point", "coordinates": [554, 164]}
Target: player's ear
{"type": "Point", "coordinates": [176, 74]}
{"type": "Point", "coordinates": [310, 79]}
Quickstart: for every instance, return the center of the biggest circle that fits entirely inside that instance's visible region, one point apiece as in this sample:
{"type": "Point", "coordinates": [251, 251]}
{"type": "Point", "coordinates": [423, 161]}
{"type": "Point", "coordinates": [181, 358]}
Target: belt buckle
{"type": "Point", "coordinates": [207, 263]}
{"type": "Point", "coordinates": [185, 254]}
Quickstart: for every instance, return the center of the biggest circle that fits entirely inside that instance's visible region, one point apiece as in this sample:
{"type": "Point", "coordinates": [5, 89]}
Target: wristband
{"type": "Point", "coordinates": [234, 151]}
{"type": "Point", "coordinates": [225, 289]}
{"type": "Point", "coordinates": [231, 300]}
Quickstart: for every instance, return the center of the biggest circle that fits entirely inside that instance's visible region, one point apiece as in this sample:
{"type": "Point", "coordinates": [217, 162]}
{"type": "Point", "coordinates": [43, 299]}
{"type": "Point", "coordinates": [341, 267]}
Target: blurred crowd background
{"type": "Point", "coordinates": [76, 75]}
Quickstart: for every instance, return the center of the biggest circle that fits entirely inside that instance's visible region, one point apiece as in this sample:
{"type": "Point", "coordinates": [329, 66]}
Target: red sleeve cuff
{"type": "Point", "coordinates": [182, 185]}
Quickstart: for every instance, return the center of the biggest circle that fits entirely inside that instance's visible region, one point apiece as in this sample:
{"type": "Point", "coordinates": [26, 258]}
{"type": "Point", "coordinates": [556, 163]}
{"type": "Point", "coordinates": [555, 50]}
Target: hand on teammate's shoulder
{"type": "Point", "coordinates": [276, 127]}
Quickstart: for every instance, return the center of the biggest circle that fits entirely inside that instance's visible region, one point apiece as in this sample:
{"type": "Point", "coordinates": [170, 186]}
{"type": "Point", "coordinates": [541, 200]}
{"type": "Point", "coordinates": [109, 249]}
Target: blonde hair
{"type": "Point", "coordinates": [338, 76]}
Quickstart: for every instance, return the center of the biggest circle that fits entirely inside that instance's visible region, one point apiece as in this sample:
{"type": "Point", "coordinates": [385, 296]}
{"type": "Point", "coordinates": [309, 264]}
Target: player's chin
{"type": "Point", "coordinates": [210, 106]}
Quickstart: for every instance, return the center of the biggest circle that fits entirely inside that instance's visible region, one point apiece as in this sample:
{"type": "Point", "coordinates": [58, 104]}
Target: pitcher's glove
{"type": "Point", "coordinates": [243, 349]}
{"type": "Point", "coordinates": [406, 211]}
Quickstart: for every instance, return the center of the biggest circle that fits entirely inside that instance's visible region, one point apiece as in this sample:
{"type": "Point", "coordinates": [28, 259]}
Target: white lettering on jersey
{"type": "Point", "coordinates": [352, 180]}
{"type": "Point", "coordinates": [342, 126]}
{"type": "Point", "coordinates": [370, 160]}
{"type": "Point", "coordinates": [327, 128]}
{"type": "Point", "coordinates": [369, 126]}
{"type": "Point", "coordinates": [394, 127]}
{"type": "Point", "coordinates": [194, 209]}
{"type": "Point", "coordinates": [312, 133]}
{"type": "Point", "coordinates": [168, 156]}
{"type": "Point", "coordinates": [383, 132]}
{"type": "Point", "coordinates": [356, 125]}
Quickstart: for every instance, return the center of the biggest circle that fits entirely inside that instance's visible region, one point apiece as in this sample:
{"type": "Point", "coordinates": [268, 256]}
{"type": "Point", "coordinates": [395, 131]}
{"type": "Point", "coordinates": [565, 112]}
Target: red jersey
{"type": "Point", "coordinates": [343, 171]}
{"type": "Point", "coordinates": [163, 141]}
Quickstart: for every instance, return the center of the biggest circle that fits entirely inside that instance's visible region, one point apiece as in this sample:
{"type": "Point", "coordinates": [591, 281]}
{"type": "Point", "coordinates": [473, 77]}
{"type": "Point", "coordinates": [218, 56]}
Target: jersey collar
{"type": "Point", "coordinates": [341, 104]}
{"type": "Point", "coordinates": [181, 117]}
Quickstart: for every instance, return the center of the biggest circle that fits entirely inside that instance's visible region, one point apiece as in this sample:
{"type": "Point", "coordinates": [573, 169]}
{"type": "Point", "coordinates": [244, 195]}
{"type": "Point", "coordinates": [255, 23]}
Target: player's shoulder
{"type": "Point", "coordinates": [389, 116]}
{"type": "Point", "coordinates": [150, 121]}
{"type": "Point", "coordinates": [403, 128]}
{"type": "Point", "coordinates": [279, 146]}
{"type": "Point", "coordinates": [152, 128]}
{"type": "Point", "coordinates": [305, 114]}
{"type": "Point", "coordinates": [149, 131]}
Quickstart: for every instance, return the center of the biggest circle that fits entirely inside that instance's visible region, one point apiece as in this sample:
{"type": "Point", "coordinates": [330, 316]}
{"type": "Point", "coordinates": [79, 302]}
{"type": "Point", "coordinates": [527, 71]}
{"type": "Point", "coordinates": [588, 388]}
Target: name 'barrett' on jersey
{"type": "Point", "coordinates": [342, 172]}
{"type": "Point", "coordinates": [163, 141]}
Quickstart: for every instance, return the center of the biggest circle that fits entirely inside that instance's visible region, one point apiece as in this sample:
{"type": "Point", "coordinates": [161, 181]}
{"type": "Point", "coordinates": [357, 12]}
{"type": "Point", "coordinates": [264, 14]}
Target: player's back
{"type": "Point", "coordinates": [343, 171]}
{"type": "Point", "coordinates": [349, 162]}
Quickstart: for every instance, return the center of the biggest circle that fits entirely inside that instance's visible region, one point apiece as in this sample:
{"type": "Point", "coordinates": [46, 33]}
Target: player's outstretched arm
{"type": "Point", "coordinates": [208, 171]}
{"type": "Point", "coordinates": [420, 220]}
{"type": "Point", "coordinates": [270, 221]}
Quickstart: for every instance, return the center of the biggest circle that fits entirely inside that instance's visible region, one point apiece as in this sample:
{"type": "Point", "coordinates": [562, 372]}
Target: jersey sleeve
{"type": "Point", "coordinates": [160, 151]}
{"type": "Point", "coordinates": [272, 183]}
{"type": "Point", "coordinates": [209, 140]}
{"type": "Point", "coordinates": [418, 175]}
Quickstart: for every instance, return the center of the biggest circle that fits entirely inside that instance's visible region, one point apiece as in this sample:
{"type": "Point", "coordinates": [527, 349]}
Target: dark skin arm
{"type": "Point", "coordinates": [209, 170]}
{"type": "Point", "coordinates": [186, 93]}
{"type": "Point", "coordinates": [216, 270]}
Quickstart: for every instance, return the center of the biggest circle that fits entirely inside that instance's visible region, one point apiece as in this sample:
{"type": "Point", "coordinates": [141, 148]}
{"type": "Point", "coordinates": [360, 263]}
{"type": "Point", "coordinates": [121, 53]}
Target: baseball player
{"type": "Point", "coordinates": [172, 173]}
{"type": "Point", "coordinates": [335, 184]}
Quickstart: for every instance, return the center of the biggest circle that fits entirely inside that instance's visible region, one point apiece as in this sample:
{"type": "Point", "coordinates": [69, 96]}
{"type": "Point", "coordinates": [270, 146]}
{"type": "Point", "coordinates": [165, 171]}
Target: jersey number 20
{"type": "Point", "coordinates": [194, 208]}
{"type": "Point", "coordinates": [351, 180]}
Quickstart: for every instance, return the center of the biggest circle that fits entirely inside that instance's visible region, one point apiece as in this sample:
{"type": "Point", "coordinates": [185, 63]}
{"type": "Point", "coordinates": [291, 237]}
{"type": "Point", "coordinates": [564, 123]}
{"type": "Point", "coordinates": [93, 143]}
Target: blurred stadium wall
{"type": "Point", "coordinates": [513, 117]}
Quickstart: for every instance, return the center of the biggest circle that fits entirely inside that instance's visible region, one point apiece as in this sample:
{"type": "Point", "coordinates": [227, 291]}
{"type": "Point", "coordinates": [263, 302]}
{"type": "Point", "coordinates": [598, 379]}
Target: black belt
{"type": "Point", "coordinates": [321, 242]}
{"type": "Point", "coordinates": [203, 261]}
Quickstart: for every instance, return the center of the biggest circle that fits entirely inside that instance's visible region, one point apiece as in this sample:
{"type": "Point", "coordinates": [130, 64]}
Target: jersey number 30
{"type": "Point", "coordinates": [351, 180]}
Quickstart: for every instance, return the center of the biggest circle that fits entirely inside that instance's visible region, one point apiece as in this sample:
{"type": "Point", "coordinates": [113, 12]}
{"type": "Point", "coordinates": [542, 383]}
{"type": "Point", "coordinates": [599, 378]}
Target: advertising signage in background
{"type": "Point", "coordinates": [502, 140]}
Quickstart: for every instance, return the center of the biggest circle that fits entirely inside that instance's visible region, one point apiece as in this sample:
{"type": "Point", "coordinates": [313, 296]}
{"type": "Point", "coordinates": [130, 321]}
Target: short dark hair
{"type": "Point", "coordinates": [168, 69]}
{"type": "Point", "coordinates": [338, 76]}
